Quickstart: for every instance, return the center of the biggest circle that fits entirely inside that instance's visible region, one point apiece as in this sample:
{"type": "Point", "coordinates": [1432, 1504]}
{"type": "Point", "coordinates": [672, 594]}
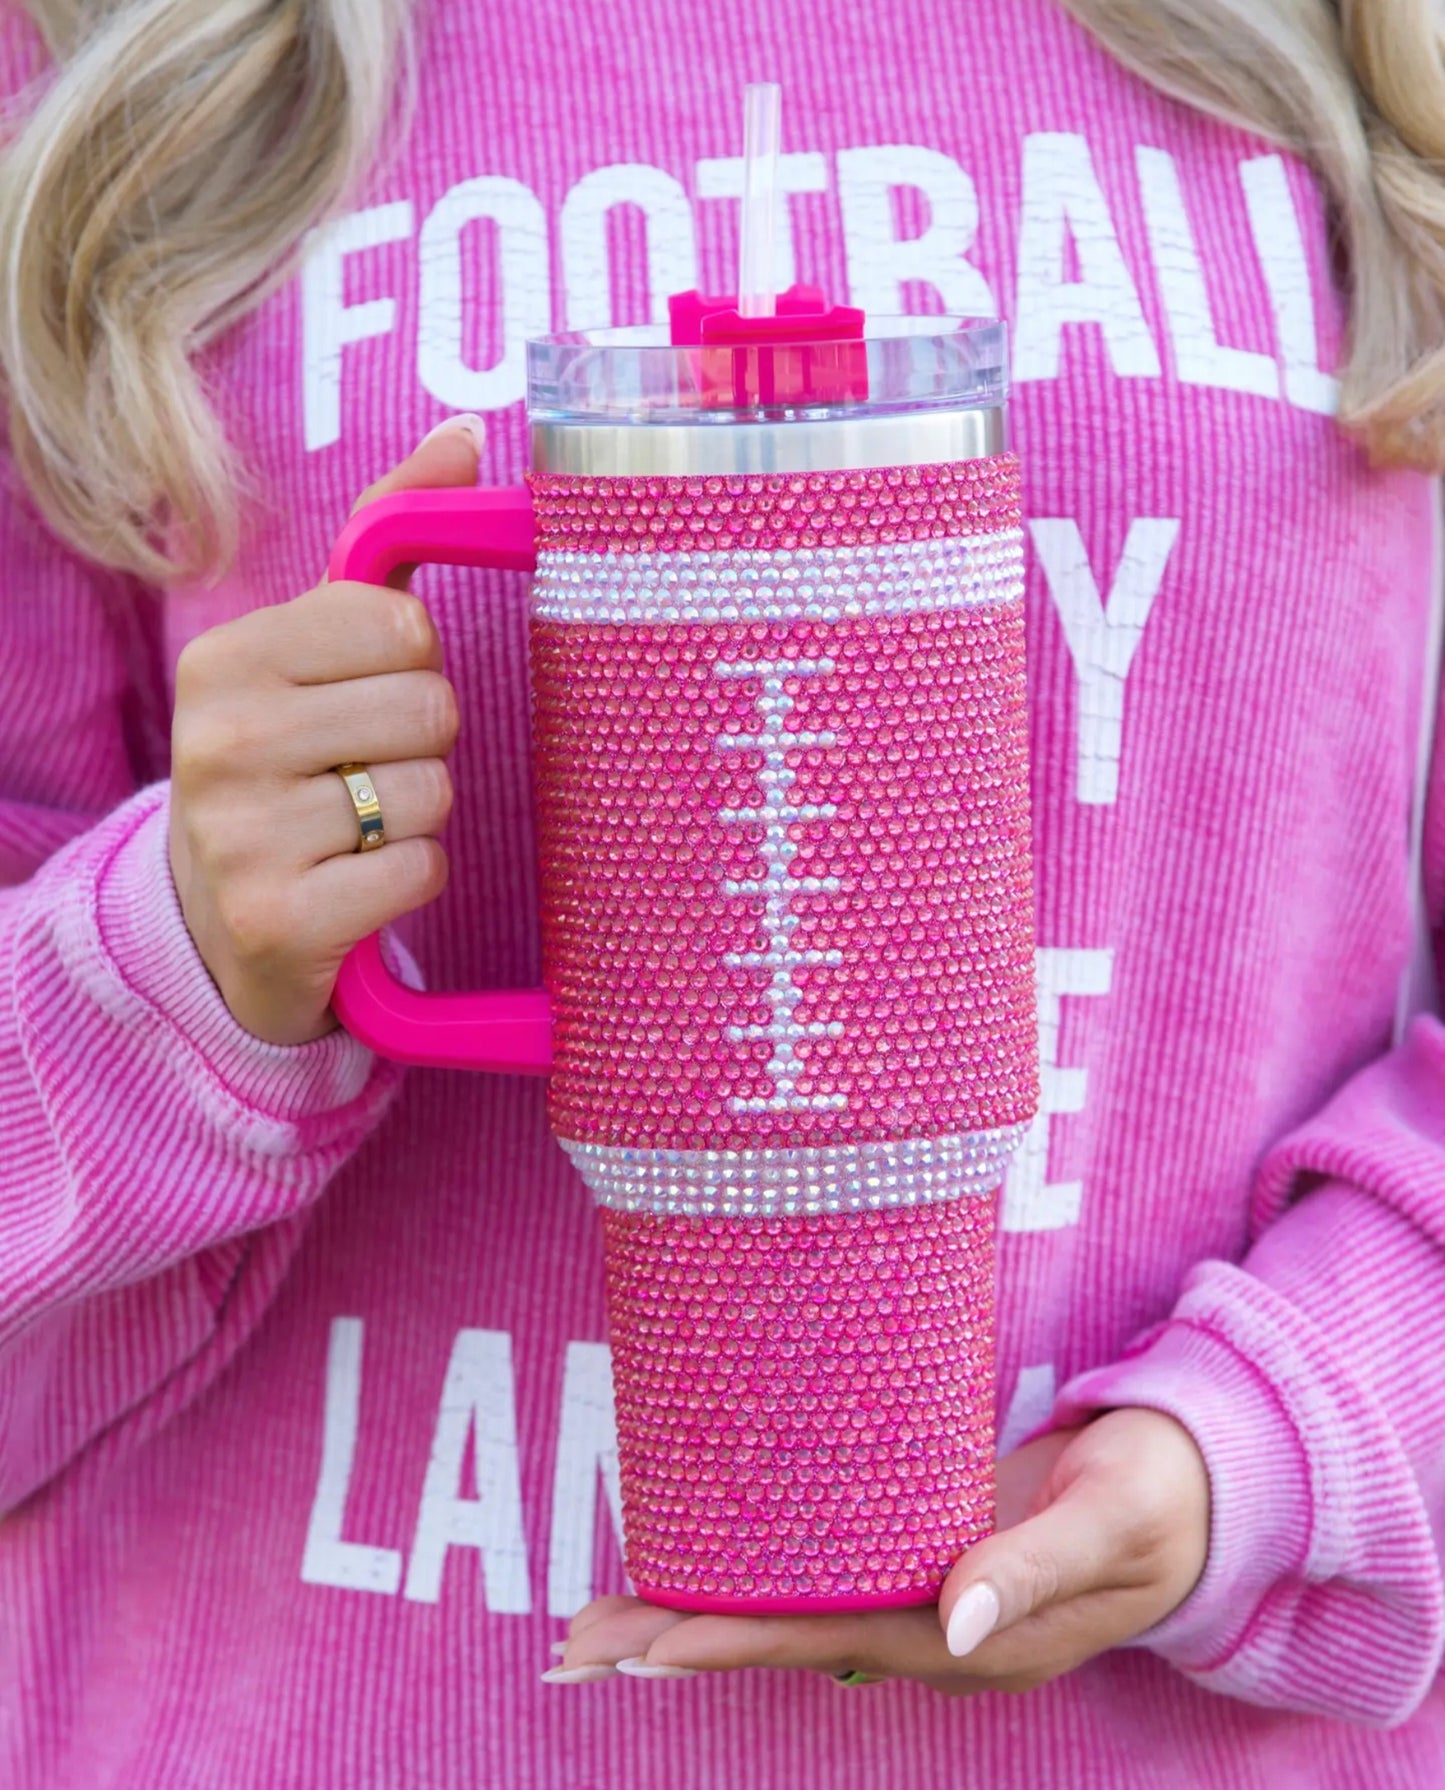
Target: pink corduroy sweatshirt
{"type": "Point", "coordinates": [306, 1441]}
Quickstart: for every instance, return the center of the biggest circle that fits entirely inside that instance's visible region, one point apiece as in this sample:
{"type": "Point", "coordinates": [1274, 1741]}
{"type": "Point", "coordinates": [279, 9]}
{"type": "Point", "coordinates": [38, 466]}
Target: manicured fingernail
{"type": "Point", "coordinates": [577, 1674]}
{"type": "Point", "coordinates": [637, 1667]}
{"type": "Point", "coordinates": [974, 1618]}
{"type": "Point", "coordinates": [464, 422]}
{"type": "Point", "coordinates": [557, 1649]}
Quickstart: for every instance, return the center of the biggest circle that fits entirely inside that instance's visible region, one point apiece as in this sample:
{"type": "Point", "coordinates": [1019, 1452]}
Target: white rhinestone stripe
{"type": "Point", "coordinates": [773, 741]}
{"type": "Point", "coordinates": [787, 1182]}
{"type": "Point", "coordinates": [758, 584]}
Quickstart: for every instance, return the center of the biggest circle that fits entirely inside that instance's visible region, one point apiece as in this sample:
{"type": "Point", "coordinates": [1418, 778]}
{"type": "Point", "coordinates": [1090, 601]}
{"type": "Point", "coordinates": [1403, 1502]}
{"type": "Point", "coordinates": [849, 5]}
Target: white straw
{"type": "Point", "coordinates": [762, 139]}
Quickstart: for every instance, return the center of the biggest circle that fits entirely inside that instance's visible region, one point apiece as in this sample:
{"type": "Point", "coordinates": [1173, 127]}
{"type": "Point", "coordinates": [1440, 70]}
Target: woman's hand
{"type": "Point", "coordinates": [263, 833]}
{"type": "Point", "coordinates": [1103, 1532]}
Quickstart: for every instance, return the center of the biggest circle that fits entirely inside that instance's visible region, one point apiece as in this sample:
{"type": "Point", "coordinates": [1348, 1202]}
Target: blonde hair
{"type": "Point", "coordinates": [1357, 88]}
{"type": "Point", "coordinates": [162, 182]}
{"type": "Point", "coordinates": [155, 193]}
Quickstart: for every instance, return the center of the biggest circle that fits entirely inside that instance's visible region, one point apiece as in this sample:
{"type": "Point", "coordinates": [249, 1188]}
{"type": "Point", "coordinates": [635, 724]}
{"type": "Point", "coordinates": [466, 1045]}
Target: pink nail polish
{"type": "Point", "coordinates": [637, 1667]}
{"type": "Point", "coordinates": [973, 1619]}
{"type": "Point", "coordinates": [578, 1674]}
{"type": "Point", "coordinates": [464, 422]}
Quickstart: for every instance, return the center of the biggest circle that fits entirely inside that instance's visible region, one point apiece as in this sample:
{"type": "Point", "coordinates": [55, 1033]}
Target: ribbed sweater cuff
{"type": "Point", "coordinates": [127, 942]}
{"type": "Point", "coordinates": [1321, 1592]}
{"type": "Point", "coordinates": [1261, 1502]}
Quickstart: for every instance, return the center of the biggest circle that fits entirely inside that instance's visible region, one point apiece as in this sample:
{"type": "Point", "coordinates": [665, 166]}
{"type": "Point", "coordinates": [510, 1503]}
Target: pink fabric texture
{"type": "Point", "coordinates": [306, 1449]}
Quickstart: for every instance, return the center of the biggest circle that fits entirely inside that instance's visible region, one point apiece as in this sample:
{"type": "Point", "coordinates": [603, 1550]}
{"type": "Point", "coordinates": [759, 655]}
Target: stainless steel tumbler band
{"type": "Point", "coordinates": [681, 450]}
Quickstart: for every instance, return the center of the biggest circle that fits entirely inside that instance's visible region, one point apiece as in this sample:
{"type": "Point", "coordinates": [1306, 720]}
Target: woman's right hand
{"type": "Point", "coordinates": [263, 833]}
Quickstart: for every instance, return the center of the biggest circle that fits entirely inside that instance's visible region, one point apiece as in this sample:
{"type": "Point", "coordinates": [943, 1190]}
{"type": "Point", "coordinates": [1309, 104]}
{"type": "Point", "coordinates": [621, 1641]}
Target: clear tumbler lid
{"type": "Point", "coordinates": [640, 376]}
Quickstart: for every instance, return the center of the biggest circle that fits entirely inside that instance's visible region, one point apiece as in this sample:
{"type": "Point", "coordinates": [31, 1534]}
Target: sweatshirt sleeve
{"type": "Point", "coordinates": [146, 1139]}
{"type": "Point", "coordinates": [1312, 1376]}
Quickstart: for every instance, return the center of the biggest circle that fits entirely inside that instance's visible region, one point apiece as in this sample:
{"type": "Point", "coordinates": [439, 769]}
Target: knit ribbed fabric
{"type": "Point", "coordinates": [306, 1450]}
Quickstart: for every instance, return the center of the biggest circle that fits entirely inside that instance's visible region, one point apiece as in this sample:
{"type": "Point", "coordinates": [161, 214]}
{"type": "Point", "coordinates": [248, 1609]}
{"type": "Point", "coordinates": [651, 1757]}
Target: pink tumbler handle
{"type": "Point", "coordinates": [507, 1030]}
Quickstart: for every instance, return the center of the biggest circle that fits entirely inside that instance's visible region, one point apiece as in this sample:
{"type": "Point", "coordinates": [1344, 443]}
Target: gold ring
{"type": "Point", "coordinates": [362, 788]}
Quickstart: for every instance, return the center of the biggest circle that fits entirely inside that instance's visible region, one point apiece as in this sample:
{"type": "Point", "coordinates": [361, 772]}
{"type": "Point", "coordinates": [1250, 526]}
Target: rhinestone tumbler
{"type": "Point", "coordinates": [777, 648]}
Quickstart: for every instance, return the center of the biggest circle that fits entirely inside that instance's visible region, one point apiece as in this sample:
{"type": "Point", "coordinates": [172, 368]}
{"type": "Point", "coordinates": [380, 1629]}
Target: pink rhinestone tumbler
{"type": "Point", "coordinates": [781, 756]}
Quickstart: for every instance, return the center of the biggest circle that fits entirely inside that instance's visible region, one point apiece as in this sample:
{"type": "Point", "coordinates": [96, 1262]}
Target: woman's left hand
{"type": "Point", "coordinates": [1103, 1531]}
